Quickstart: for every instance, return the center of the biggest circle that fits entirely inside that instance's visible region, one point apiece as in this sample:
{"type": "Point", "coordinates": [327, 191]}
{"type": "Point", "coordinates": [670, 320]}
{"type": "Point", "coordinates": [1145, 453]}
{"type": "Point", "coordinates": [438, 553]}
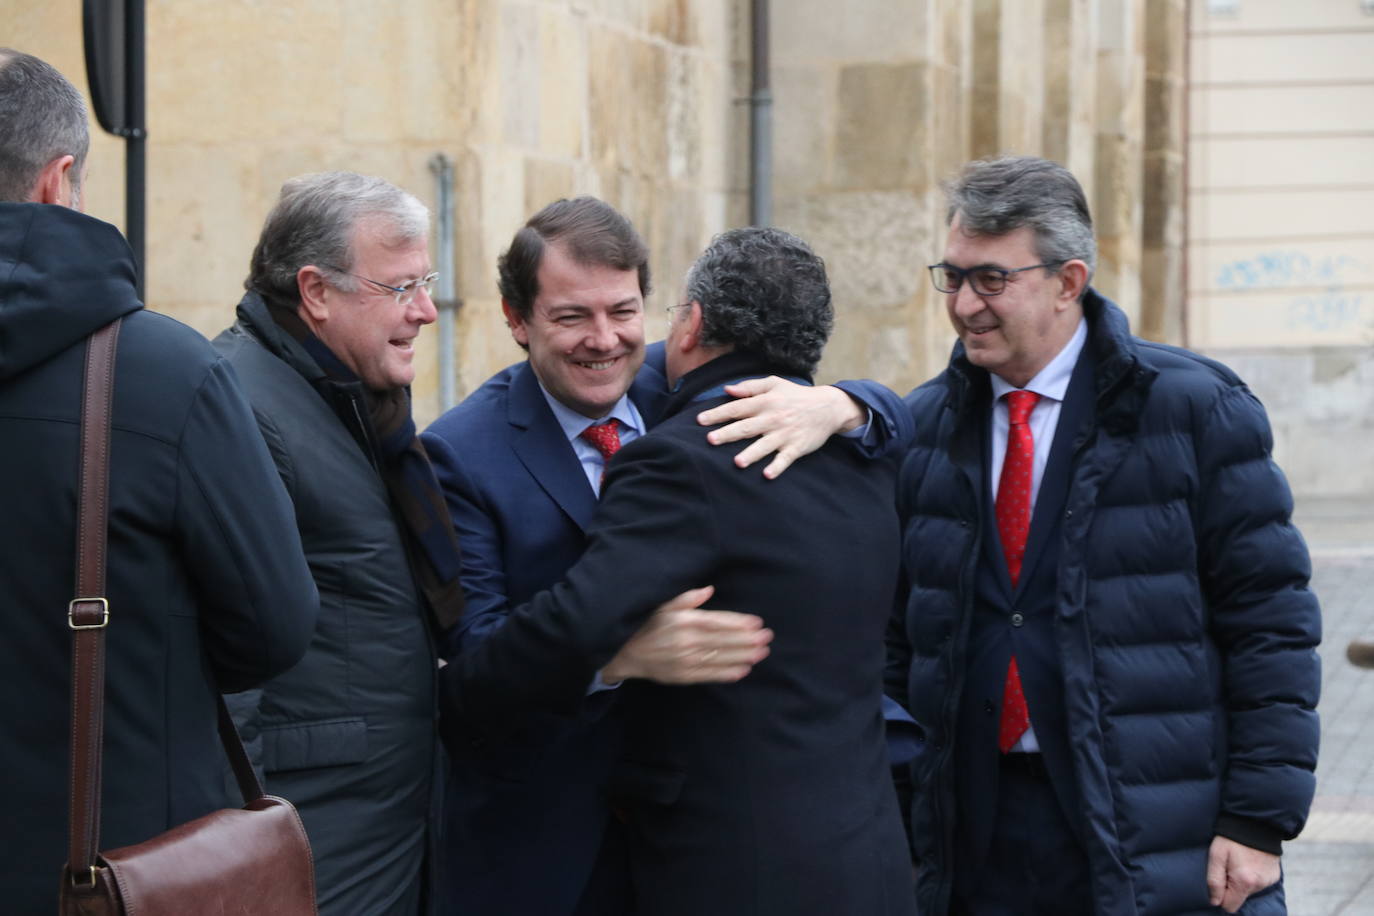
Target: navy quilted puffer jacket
{"type": "Point", "coordinates": [1184, 624]}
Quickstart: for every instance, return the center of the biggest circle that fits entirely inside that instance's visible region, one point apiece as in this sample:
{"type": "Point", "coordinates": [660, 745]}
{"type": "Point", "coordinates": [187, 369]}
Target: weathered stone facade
{"type": "Point", "coordinates": [639, 102]}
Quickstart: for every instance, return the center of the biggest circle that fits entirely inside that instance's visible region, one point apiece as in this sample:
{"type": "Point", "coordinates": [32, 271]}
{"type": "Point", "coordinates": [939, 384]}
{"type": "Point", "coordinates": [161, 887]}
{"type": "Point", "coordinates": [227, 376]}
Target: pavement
{"type": "Point", "coordinates": [1329, 869]}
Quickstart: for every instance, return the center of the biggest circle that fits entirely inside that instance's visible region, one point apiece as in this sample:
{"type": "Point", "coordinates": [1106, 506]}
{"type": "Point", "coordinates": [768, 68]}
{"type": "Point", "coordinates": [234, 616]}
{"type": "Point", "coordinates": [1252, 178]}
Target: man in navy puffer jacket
{"type": "Point", "coordinates": [1108, 635]}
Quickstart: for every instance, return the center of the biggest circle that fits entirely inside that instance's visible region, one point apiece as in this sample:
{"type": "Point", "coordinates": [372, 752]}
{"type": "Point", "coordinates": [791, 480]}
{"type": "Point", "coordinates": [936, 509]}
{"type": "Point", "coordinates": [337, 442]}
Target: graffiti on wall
{"type": "Point", "coordinates": [1327, 303]}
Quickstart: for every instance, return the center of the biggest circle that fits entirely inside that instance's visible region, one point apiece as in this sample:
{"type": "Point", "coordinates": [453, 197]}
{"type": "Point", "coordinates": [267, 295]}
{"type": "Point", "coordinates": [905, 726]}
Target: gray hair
{"type": "Point", "coordinates": [42, 118]}
{"type": "Point", "coordinates": [765, 291]}
{"type": "Point", "coordinates": [313, 224]}
{"type": "Point", "coordinates": [997, 196]}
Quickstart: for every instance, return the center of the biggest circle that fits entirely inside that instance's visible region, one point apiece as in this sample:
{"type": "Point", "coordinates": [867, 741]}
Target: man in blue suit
{"type": "Point", "coordinates": [522, 480]}
{"type": "Point", "coordinates": [1108, 636]}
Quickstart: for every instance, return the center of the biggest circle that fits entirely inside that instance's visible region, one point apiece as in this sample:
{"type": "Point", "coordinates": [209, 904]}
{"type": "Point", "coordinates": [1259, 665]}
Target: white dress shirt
{"type": "Point", "coordinates": [1051, 383]}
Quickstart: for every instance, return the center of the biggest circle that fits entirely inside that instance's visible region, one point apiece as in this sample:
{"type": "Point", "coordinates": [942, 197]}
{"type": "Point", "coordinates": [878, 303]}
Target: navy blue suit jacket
{"type": "Point", "coordinates": [533, 804]}
{"type": "Point", "coordinates": [523, 818]}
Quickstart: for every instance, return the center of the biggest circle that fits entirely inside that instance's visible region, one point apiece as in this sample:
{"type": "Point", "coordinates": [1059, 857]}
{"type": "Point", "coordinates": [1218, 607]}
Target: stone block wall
{"type": "Point", "coordinates": [639, 102]}
{"type": "Point", "coordinates": [879, 105]}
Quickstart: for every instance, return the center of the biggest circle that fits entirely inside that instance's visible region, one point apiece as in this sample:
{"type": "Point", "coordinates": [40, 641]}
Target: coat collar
{"type": "Point", "coordinates": [723, 370]}
{"type": "Point", "coordinates": [344, 397]}
{"type": "Point", "coordinates": [256, 317]}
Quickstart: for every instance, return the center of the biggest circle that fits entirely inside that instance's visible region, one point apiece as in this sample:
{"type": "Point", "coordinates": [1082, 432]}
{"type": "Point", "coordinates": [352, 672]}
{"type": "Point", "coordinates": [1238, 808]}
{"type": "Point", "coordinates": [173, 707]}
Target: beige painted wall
{"type": "Point", "coordinates": [1281, 174]}
{"type": "Point", "coordinates": [1281, 236]}
{"type": "Point", "coordinates": [637, 101]}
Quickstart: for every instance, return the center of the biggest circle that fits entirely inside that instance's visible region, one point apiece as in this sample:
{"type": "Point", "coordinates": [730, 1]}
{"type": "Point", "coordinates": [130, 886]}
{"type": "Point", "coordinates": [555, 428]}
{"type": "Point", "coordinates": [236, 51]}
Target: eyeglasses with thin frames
{"type": "Point", "coordinates": [986, 281]}
{"type": "Point", "coordinates": [403, 294]}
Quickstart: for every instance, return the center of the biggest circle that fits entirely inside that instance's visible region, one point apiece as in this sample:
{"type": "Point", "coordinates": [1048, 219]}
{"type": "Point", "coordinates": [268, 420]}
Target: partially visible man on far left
{"type": "Point", "coordinates": [207, 586]}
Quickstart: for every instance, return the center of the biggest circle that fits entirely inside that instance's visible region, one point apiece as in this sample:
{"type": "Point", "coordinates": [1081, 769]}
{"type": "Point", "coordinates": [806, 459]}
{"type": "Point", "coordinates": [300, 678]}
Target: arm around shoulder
{"type": "Point", "coordinates": [894, 429]}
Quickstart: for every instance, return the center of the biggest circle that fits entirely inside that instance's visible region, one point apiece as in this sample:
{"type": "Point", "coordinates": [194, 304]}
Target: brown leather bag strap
{"type": "Point", "coordinates": [89, 612]}
{"type": "Point", "coordinates": [238, 757]}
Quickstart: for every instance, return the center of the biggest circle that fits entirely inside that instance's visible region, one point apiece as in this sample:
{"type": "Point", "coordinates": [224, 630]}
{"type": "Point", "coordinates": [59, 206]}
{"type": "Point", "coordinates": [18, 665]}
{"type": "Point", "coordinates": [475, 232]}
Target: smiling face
{"type": "Point", "coordinates": [1016, 333]}
{"type": "Point", "coordinates": [366, 329]}
{"type": "Point", "coordinates": [585, 331]}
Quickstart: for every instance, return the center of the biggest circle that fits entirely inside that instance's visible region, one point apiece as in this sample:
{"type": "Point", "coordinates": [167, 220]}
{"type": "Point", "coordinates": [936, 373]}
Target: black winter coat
{"type": "Point", "coordinates": [206, 581]}
{"type": "Point", "coordinates": [348, 735]}
{"type": "Point", "coordinates": [768, 797]}
{"type": "Point", "coordinates": [1184, 624]}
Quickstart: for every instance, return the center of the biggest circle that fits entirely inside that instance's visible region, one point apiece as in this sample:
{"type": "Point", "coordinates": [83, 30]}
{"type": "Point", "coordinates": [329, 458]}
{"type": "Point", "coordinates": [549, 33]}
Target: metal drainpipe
{"type": "Point", "coordinates": [136, 146]}
{"type": "Point", "coordinates": [760, 121]}
{"type": "Point", "coordinates": [1184, 335]}
{"type": "Point", "coordinates": [446, 301]}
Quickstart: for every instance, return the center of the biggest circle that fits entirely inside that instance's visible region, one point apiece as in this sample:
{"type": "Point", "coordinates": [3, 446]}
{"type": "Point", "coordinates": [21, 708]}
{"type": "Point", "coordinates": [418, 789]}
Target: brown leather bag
{"type": "Point", "coordinates": [255, 859]}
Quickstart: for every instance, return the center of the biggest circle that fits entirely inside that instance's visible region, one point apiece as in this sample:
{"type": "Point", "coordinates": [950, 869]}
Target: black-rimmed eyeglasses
{"type": "Point", "coordinates": [986, 281]}
{"type": "Point", "coordinates": [405, 293]}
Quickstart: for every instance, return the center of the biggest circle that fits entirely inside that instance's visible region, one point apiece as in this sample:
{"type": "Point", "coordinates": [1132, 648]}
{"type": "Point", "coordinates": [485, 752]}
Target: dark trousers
{"type": "Point", "coordinates": [1034, 865]}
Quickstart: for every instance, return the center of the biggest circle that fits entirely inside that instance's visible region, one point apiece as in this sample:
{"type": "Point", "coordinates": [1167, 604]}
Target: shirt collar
{"type": "Point", "coordinates": [573, 422]}
{"type": "Point", "coordinates": [1053, 380]}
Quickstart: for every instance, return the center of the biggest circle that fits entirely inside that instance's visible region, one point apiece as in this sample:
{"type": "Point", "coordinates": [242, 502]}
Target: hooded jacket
{"type": "Point", "coordinates": [1183, 622]}
{"type": "Point", "coordinates": [207, 585]}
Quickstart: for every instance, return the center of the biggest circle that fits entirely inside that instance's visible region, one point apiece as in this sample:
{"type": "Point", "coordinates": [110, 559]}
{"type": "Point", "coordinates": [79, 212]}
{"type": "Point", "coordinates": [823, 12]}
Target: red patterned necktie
{"type": "Point", "coordinates": [1013, 524]}
{"type": "Point", "coordinates": [605, 437]}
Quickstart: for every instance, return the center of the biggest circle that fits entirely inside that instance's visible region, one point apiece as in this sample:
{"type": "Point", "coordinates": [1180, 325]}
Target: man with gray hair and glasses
{"type": "Point", "coordinates": [337, 292]}
{"type": "Point", "coordinates": [206, 586]}
{"type": "Point", "coordinates": [1108, 637]}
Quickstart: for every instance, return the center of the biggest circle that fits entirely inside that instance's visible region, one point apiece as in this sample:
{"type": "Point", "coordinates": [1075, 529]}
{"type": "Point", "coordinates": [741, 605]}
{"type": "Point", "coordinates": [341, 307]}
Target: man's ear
{"type": "Point", "coordinates": [53, 180]}
{"type": "Point", "coordinates": [1073, 279]}
{"type": "Point", "coordinates": [516, 324]}
{"type": "Point", "coordinates": [314, 292]}
{"type": "Point", "coordinates": [692, 322]}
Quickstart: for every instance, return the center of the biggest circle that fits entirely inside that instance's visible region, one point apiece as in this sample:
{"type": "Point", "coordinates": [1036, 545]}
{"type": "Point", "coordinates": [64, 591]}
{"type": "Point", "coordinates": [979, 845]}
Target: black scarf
{"type": "Point", "coordinates": [404, 467]}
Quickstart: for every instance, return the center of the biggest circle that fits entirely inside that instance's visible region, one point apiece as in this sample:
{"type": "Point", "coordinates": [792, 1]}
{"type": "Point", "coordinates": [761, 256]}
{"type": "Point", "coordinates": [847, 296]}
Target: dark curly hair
{"type": "Point", "coordinates": [765, 291]}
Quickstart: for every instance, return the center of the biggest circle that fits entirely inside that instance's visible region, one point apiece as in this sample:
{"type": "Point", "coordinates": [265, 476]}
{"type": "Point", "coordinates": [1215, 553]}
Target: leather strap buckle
{"type": "Point", "coordinates": [83, 887]}
{"type": "Point", "coordinates": [81, 604]}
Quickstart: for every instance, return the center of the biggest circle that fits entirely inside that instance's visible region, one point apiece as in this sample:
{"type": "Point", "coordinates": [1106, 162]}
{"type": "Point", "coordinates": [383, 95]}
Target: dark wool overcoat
{"type": "Point", "coordinates": [767, 797]}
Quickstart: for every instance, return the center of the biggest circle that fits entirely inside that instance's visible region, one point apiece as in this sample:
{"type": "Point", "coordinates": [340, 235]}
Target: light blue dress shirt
{"type": "Point", "coordinates": [573, 423]}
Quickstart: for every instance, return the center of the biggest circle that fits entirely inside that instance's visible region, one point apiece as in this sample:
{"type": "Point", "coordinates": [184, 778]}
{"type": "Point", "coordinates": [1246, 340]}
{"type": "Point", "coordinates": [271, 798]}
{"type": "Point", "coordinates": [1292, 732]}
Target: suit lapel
{"type": "Point", "coordinates": [544, 450]}
{"type": "Point", "coordinates": [970, 447]}
{"type": "Point", "coordinates": [1054, 486]}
